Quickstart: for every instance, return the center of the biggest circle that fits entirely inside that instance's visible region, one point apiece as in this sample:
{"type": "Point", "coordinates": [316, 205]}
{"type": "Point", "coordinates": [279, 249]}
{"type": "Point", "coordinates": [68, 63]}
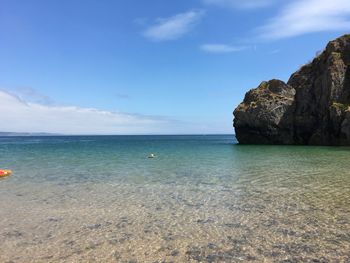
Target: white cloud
{"type": "Point", "coordinates": [174, 27]}
{"type": "Point", "coordinates": [240, 4]}
{"type": "Point", "coordinates": [221, 48]}
{"type": "Point", "coordinates": [17, 115]}
{"type": "Point", "coordinates": [308, 16]}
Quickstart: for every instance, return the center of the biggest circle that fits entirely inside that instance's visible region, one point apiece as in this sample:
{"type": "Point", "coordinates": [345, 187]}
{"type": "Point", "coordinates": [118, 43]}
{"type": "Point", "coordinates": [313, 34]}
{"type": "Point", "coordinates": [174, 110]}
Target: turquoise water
{"type": "Point", "coordinates": [202, 199]}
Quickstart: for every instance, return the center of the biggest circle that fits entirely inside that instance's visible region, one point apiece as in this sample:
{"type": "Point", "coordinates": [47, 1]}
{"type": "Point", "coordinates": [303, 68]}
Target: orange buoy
{"type": "Point", "coordinates": [4, 173]}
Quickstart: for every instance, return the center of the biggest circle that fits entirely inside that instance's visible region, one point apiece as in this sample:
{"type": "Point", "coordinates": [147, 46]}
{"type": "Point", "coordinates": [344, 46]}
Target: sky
{"type": "Point", "coordinates": [150, 67]}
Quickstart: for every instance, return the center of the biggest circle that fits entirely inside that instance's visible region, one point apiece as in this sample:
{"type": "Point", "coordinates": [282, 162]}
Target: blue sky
{"type": "Point", "coordinates": [150, 67]}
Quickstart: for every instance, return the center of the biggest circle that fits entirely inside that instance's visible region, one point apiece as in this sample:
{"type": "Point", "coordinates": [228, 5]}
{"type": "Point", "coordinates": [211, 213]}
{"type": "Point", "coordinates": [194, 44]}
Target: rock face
{"type": "Point", "coordinates": [312, 108]}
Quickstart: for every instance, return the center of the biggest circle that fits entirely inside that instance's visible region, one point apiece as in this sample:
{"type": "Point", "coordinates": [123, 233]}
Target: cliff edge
{"type": "Point", "coordinates": [312, 108]}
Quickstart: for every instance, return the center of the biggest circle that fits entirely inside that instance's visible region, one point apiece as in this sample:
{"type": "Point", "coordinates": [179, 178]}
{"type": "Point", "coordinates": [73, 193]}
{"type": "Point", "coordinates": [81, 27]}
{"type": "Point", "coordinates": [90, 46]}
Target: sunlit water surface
{"type": "Point", "coordinates": [202, 199]}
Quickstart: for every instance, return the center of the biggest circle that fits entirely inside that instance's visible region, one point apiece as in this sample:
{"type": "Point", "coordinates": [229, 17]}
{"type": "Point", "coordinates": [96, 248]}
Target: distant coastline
{"type": "Point", "coordinates": [13, 134]}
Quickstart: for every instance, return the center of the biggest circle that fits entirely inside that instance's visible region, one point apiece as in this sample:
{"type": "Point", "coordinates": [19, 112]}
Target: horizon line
{"type": "Point", "coordinates": [43, 134]}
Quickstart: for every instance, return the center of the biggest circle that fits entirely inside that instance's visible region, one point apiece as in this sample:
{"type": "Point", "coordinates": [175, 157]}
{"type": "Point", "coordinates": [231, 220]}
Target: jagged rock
{"type": "Point", "coordinates": [313, 107]}
{"type": "Point", "coordinates": [261, 116]}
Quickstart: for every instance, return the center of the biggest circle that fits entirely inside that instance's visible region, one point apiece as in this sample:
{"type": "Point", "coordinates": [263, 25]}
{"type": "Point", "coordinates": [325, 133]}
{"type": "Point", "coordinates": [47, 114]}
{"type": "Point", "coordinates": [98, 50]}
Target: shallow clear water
{"type": "Point", "coordinates": [202, 199]}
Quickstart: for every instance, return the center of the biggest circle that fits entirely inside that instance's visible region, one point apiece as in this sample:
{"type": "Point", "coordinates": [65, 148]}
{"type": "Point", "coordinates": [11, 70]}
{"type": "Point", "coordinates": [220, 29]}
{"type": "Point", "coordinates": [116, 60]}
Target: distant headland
{"type": "Point", "coordinates": [312, 108]}
{"type": "Point", "coordinates": [8, 134]}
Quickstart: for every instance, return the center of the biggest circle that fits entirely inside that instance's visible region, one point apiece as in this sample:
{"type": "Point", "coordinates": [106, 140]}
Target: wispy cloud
{"type": "Point", "coordinates": [18, 115]}
{"type": "Point", "coordinates": [174, 27]}
{"type": "Point", "coordinates": [307, 16]}
{"type": "Point", "coordinates": [275, 51]}
{"type": "Point", "coordinates": [122, 96]}
{"type": "Point", "coordinates": [221, 48]}
{"type": "Point", "coordinates": [32, 95]}
{"type": "Point", "coordinates": [240, 4]}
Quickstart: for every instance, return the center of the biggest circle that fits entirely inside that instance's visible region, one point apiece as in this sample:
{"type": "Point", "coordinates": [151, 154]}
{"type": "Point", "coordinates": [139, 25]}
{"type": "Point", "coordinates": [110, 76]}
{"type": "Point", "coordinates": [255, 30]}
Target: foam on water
{"type": "Point", "coordinates": [203, 199]}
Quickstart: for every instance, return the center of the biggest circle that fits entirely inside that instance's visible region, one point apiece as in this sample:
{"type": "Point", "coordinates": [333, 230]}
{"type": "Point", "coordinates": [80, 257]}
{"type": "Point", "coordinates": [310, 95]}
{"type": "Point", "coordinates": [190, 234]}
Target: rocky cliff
{"type": "Point", "coordinates": [312, 108]}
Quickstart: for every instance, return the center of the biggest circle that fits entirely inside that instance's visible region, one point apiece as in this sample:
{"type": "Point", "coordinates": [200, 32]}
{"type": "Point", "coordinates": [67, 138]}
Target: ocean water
{"type": "Point", "coordinates": [202, 199]}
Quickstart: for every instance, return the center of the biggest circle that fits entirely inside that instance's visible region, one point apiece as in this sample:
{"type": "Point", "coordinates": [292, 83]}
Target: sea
{"type": "Point", "coordinates": [202, 198]}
